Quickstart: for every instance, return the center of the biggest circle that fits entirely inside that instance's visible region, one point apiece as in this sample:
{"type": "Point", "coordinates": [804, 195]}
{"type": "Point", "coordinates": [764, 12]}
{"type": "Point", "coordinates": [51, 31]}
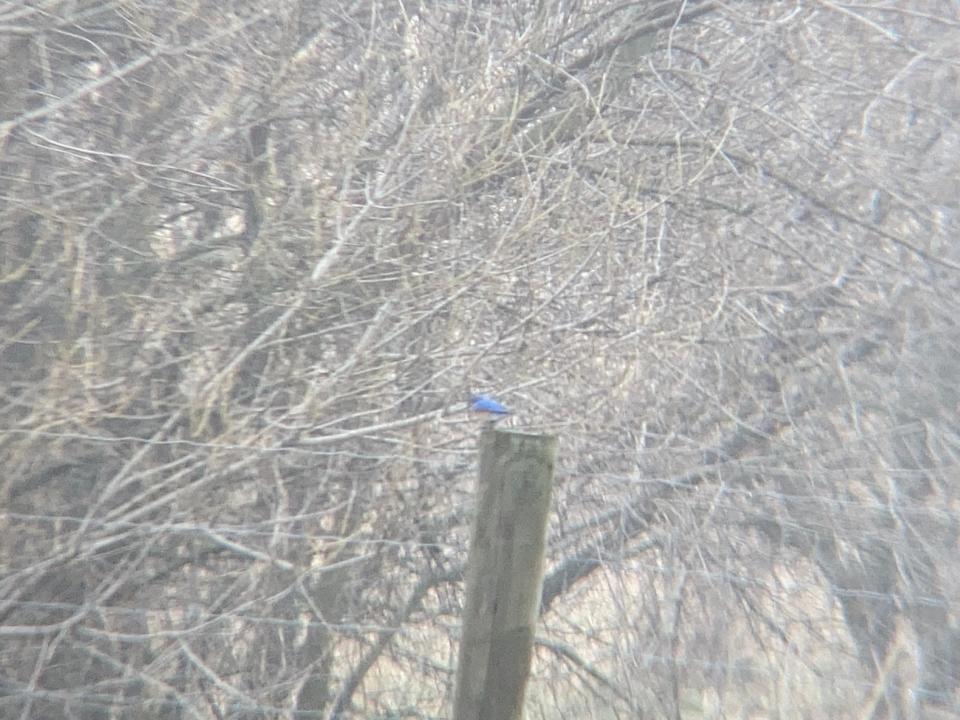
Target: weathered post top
{"type": "Point", "coordinates": [504, 574]}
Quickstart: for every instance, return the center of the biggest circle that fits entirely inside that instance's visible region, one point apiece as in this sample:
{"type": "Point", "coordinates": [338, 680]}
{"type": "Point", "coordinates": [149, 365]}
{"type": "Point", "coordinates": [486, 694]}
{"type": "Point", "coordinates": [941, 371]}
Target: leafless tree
{"type": "Point", "coordinates": [254, 256]}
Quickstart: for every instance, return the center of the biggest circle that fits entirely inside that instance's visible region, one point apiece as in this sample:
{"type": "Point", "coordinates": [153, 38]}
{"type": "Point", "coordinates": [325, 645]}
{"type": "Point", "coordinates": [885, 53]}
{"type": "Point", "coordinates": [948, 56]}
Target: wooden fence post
{"type": "Point", "coordinates": [504, 574]}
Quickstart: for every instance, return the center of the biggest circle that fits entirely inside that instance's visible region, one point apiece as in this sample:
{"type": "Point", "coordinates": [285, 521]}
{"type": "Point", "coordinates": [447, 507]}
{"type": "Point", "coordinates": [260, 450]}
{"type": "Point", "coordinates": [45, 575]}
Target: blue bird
{"type": "Point", "coordinates": [488, 406]}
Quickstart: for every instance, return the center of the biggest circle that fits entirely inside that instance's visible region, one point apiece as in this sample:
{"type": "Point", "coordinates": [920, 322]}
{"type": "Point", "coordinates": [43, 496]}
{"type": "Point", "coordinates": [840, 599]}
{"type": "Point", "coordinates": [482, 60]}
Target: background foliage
{"type": "Point", "coordinates": [253, 256]}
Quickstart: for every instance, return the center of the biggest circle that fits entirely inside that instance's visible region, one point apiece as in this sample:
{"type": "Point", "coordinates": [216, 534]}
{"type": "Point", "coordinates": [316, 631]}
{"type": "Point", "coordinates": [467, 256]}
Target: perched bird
{"type": "Point", "coordinates": [488, 406]}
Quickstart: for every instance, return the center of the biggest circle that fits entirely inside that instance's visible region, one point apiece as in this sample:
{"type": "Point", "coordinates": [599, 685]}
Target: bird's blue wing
{"type": "Point", "coordinates": [484, 403]}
